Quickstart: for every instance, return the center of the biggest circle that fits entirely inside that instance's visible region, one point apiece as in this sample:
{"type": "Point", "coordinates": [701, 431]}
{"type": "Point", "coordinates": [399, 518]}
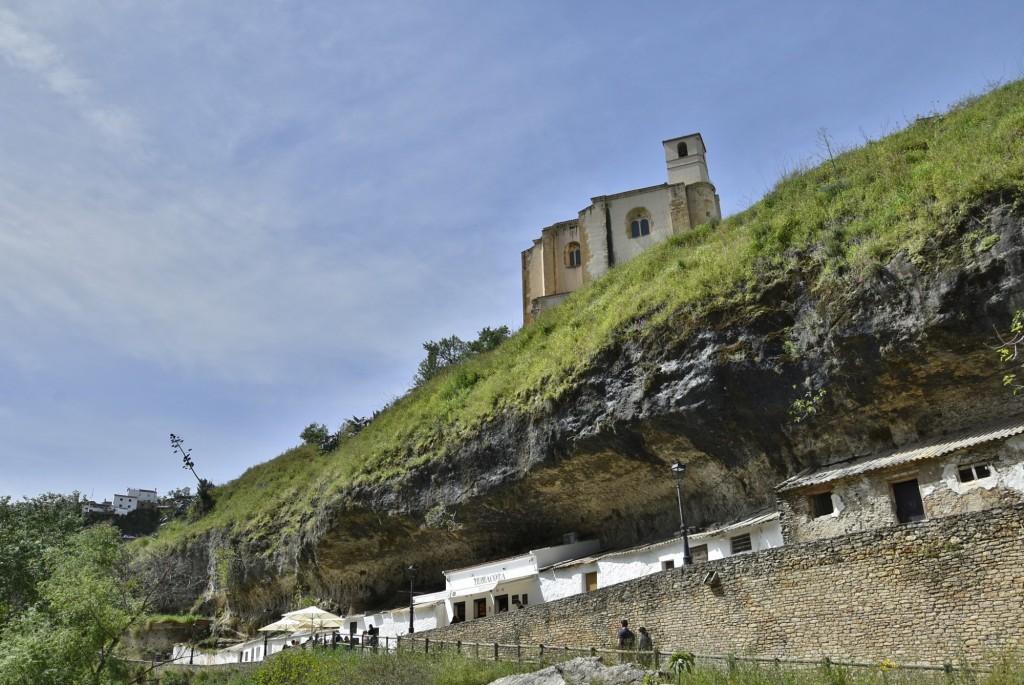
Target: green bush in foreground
{"type": "Point", "coordinates": [1006, 671]}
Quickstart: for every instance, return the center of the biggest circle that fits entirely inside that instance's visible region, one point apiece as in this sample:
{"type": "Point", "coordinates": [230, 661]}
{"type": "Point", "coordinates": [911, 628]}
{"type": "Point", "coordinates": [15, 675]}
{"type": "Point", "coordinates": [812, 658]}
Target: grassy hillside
{"type": "Point", "coordinates": [848, 215]}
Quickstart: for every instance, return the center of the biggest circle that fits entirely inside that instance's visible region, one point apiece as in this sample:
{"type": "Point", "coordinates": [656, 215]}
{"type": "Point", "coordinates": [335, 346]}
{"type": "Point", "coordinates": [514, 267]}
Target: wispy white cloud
{"type": "Point", "coordinates": [33, 53]}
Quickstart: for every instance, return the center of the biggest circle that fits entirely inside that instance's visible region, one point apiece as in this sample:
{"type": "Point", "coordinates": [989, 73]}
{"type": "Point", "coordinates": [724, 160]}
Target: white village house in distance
{"type": "Point", "coordinates": [616, 228]}
{"type": "Point", "coordinates": [122, 505]}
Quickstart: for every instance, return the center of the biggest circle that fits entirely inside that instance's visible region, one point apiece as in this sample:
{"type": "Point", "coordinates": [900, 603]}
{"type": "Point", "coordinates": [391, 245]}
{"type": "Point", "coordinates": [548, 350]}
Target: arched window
{"type": "Point", "coordinates": [681, 149]}
{"type": "Point", "coordinates": [638, 221]}
{"type": "Point", "coordinates": [573, 256]}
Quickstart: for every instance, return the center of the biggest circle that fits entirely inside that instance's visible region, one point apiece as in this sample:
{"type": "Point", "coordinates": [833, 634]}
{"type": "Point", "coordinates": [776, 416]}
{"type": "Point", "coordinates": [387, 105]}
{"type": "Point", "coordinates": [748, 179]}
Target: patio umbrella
{"type": "Point", "coordinates": [280, 626]}
{"type": "Point", "coordinates": [314, 619]}
{"type": "Point", "coordinates": [311, 614]}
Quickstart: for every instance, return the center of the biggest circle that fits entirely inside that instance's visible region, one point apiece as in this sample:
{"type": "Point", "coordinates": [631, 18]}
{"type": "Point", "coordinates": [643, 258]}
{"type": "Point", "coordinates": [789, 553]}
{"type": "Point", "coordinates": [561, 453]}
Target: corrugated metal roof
{"type": "Point", "coordinates": [745, 523]}
{"type": "Point", "coordinates": [926, 450]}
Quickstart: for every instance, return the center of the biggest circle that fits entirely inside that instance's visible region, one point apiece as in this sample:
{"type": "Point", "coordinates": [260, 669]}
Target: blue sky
{"type": "Point", "coordinates": [229, 219]}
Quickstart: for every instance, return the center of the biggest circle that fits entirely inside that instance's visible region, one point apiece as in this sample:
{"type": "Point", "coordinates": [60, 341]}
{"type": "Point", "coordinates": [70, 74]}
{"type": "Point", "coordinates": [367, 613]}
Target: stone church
{"type": "Point", "coordinates": [616, 228]}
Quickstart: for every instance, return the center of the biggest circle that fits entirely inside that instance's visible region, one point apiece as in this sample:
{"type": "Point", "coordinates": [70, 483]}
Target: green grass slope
{"type": "Point", "coordinates": [849, 215]}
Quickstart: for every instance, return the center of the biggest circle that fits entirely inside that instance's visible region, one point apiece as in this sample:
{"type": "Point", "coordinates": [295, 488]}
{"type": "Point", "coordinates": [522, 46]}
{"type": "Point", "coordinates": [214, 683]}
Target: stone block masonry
{"type": "Point", "coordinates": [927, 592]}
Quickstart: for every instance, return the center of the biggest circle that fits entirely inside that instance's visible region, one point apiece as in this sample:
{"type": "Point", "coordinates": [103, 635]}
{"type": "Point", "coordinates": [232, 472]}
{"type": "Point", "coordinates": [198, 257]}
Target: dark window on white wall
{"type": "Point", "coordinates": [666, 565]}
{"type": "Point", "coordinates": [974, 472]}
{"type": "Point", "coordinates": [681, 149]}
{"type": "Point", "coordinates": [740, 543]}
{"type": "Point", "coordinates": [639, 227]}
{"type": "Point", "coordinates": [821, 504]}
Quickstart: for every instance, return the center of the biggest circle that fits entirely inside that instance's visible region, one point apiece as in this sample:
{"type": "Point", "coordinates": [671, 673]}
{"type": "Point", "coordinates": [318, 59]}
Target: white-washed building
{"type": "Point", "coordinates": [586, 574]}
{"type": "Point", "coordinates": [497, 586]}
{"type": "Point", "coordinates": [125, 504]}
{"type": "Point", "coordinates": [143, 498]}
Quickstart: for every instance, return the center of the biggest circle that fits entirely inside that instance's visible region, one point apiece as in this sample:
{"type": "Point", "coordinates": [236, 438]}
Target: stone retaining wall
{"type": "Point", "coordinates": [926, 592]}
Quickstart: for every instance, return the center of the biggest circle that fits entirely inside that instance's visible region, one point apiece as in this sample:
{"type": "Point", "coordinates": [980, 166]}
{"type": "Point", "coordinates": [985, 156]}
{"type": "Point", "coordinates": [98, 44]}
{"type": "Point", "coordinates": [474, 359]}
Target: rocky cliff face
{"type": "Point", "coordinates": [902, 353]}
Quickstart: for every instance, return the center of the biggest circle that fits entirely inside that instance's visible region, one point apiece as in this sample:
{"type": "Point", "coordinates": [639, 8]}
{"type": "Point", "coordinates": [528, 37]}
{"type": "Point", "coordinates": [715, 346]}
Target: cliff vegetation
{"type": "Point", "coordinates": [859, 296]}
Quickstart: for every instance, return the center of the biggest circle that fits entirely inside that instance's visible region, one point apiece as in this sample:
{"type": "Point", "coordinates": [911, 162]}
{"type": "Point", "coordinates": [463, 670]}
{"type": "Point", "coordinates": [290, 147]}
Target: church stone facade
{"type": "Point", "coordinates": [616, 228]}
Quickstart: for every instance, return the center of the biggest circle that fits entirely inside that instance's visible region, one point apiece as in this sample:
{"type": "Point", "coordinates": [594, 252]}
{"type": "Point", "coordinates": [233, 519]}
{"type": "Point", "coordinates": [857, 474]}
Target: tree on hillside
{"type": "Point", "coordinates": [318, 435]}
{"type": "Point", "coordinates": [452, 350]}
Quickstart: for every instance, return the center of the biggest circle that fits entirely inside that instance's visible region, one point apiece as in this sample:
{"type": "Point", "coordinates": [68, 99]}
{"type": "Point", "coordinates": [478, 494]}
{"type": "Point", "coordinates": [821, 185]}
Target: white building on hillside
{"type": "Point", "coordinates": [125, 504]}
{"type": "Point", "coordinates": [143, 497]}
{"type": "Point", "coordinates": [134, 498]}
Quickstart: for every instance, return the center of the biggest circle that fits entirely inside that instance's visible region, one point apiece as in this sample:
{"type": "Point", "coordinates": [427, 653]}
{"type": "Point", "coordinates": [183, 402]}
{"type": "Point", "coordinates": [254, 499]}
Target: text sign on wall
{"type": "Point", "coordinates": [490, 578]}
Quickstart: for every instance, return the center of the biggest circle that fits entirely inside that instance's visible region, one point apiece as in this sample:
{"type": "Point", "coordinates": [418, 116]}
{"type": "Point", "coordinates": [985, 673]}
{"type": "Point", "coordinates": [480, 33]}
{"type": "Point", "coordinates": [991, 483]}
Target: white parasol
{"type": "Point", "coordinates": [282, 625]}
{"type": "Point", "coordinates": [313, 619]}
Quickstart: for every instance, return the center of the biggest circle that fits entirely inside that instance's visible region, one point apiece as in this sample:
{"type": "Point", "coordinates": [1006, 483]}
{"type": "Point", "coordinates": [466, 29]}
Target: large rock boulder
{"type": "Point", "coordinates": [581, 671]}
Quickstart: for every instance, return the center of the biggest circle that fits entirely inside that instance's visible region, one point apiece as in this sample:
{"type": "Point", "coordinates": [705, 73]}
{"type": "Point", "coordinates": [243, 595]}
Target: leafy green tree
{"type": "Point", "coordinates": [452, 350]}
{"type": "Point", "coordinates": [84, 607]}
{"type": "Point", "coordinates": [29, 530]}
{"type": "Point", "coordinates": [318, 435]}
{"type": "Point", "coordinates": [440, 355]}
{"type": "Point", "coordinates": [177, 502]}
{"type": "Point", "coordinates": [489, 338]}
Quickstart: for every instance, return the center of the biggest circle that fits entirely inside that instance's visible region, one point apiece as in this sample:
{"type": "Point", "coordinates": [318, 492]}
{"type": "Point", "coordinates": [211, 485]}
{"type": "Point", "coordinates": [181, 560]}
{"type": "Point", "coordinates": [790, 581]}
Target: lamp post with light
{"type": "Point", "coordinates": [678, 469]}
{"type": "Point", "coordinates": [412, 571]}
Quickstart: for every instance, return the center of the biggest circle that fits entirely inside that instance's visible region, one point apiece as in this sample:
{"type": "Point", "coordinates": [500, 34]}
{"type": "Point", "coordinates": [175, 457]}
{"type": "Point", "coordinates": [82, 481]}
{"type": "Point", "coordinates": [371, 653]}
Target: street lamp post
{"type": "Point", "coordinates": [412, 570]}
{"type": "Point", "coordinates": [266, 637]}
{"type": "Point", "coordinates": [678, 469]}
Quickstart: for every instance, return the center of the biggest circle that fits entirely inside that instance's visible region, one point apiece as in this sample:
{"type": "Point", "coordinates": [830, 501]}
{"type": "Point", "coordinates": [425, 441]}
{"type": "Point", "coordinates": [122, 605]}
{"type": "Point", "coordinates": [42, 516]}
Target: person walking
{"type": "Point", "coordinates": [645, 645]}
{"type": "Point", "coordinates": [625, 639]}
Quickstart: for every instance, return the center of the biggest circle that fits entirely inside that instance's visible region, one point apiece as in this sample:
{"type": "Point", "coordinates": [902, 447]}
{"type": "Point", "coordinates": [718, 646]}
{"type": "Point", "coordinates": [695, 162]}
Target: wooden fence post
{"type": "Point", "coordinates": [495, 651]}
{"type": "Point", "coordinates": [426, 645]}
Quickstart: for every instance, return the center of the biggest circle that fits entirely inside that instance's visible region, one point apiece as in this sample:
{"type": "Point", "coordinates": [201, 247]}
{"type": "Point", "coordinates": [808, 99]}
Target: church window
{"type": "Point", "coordinates": [681, 149]}
{"type": "Point", "coordinates": [573, 255]}
{"type": "Point", "coordinates": [639, 222]}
